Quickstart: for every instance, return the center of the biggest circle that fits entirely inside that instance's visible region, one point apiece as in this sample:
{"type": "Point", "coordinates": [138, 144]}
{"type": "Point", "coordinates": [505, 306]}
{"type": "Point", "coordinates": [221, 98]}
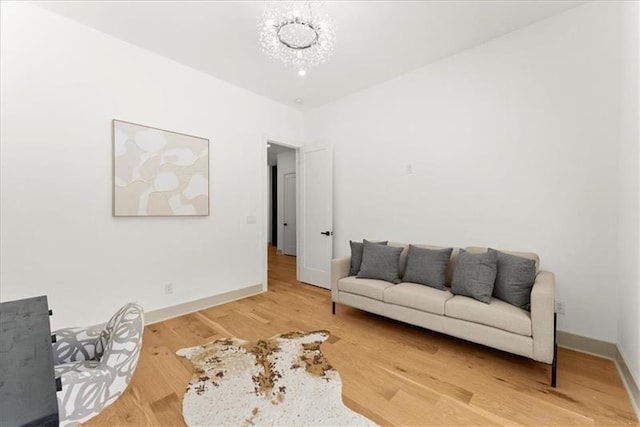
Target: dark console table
{"type": "Point", "coordinates": [27, 382]}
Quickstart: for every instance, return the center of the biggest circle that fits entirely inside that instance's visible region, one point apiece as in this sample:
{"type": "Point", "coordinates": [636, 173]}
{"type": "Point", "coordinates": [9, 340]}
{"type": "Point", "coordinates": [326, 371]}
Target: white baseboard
{"type": "Point", "coordinates": [161, 314]}
{"type": "Point", "coordinates": [607, 350]}
{"type": "Point", "coordinates": [629, 380]}
{"type": "Point", "coordinates": [587, 345]}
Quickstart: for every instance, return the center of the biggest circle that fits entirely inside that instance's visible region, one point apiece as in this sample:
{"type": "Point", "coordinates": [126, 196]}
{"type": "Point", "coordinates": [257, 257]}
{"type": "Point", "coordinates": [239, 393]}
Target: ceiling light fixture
{"type": "Point", "coordinates": [298, 33]}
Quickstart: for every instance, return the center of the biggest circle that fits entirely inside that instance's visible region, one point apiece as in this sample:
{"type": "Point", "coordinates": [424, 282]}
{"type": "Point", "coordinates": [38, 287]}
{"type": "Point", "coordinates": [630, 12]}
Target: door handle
{"type": "Point", "coordinates": [327, 233]}
{"type": "Point", "coordinates": [285, 224]}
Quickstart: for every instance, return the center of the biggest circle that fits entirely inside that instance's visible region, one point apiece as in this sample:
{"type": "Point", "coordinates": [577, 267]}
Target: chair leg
{"type": "Point", "coordinates": [333, 307]}
{"type": "Point", "coordinates": [554, 365]}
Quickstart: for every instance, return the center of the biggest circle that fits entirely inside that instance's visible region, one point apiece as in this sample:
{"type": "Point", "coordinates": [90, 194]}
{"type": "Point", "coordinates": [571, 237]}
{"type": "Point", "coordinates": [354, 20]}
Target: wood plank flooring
{"type": "Point", "coordinates": [393, 373]}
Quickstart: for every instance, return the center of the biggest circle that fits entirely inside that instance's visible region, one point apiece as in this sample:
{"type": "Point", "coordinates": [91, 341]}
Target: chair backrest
{"type": "Point", "coordinates": [91, 385]}
{"type": "Point", "coordinates": [120, 343]}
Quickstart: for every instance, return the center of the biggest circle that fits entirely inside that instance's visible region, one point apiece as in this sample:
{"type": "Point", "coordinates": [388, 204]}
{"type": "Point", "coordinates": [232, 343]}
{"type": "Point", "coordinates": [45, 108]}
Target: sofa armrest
{"type": "Point", "coordinates": [542, 312]}
{"type": "Point", "coordinates": [339, 268]}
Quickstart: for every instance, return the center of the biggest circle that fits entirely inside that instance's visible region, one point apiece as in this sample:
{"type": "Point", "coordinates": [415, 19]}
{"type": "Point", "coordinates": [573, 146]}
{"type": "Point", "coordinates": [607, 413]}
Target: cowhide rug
{"type": "Point", "coordinates": [284, 380]}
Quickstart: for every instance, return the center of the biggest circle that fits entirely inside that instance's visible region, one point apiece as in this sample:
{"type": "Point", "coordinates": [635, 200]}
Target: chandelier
{"type": "Point", "coordinates": [297, 33]}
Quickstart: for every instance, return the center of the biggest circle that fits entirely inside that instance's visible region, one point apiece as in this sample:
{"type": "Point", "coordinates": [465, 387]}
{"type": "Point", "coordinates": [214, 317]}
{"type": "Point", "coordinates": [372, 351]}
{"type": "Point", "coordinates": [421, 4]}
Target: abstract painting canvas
{"type": "Point", "coordinates": [159, 173]}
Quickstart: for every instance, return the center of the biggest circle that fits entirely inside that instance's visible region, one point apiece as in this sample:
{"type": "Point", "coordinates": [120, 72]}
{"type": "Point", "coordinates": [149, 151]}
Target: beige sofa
{"type": "Point", "coordinates": [498, 324]}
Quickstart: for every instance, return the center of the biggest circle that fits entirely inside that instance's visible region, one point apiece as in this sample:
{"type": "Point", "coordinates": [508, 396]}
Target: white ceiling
{"type": "Point", "coordinates": [376, 41]}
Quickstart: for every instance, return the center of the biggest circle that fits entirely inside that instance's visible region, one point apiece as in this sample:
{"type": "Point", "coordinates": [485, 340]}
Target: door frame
{"type": "Point", "coordinates": [264, 190]}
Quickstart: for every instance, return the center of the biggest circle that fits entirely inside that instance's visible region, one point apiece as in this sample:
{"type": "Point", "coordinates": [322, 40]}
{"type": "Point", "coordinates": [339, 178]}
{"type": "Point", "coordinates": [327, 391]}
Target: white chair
{"type": "Point", "coordinates": [96, 366]}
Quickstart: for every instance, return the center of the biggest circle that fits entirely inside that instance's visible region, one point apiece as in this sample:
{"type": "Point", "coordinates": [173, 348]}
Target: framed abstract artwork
{"type": "Point", "coordinates": [157, 172]}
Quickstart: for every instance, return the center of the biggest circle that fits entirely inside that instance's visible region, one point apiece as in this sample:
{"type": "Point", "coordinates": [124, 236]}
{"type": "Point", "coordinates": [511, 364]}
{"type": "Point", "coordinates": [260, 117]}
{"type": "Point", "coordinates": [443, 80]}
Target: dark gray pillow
{"type": "Point", "coordinates": [380, 262]}
{"type": "Point", "coordinates": [475, 274]}
{"type": "Point", "coordinates": [356, 255]}
{"type": "Point", "coordinates": [427, 266]}
{"type": "Point", "coordinates": [515, 279]}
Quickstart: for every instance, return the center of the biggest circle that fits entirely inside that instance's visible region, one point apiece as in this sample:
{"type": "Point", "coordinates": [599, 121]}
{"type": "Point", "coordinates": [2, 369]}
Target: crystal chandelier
{"type": "Point", "coordinates": [298, 33]}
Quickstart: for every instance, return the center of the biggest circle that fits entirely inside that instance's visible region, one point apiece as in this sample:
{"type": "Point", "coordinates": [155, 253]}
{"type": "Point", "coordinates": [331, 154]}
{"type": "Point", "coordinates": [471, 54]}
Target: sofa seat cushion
{"type": "Point", "coordinates": [498, 314]}
{"type": "Point", "coordinates": [417, 296]}
{"type": "Point", "coordinates": [371, 288]}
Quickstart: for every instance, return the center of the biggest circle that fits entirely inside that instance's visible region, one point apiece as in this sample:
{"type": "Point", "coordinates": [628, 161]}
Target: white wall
{"type": "Point", "coordinates": [513, 145]}
{"type": "Point", "coordinates": [286, 164]}
{"type": "Point", "coordinates": [629, 192]}
{"type": "Point", "coordinates": [62, 84]}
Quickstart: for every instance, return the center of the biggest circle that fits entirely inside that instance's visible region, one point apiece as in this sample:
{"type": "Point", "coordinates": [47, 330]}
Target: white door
{"type": "Point", "coordinates": [316, 218]}
{"type": "Point", "coordinates": [289, 199]}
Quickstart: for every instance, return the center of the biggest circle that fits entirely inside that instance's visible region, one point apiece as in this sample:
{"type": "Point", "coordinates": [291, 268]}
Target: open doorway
{"type": "Point", "coordinates": [282, 200]}
{"type": "Point", "coordinates": [309, 182]}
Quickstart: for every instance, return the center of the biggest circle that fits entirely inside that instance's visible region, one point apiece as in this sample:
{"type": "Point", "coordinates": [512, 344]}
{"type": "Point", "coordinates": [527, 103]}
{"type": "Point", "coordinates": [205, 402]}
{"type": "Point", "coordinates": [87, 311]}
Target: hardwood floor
{"type": "Point", "coordinates": [393, 373]}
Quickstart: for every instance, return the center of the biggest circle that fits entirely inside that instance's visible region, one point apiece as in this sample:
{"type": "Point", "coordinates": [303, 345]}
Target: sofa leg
{"type": "Point", "coordinates": [554, 365]}
{"type": "Point", "coordinates": [333, 307]}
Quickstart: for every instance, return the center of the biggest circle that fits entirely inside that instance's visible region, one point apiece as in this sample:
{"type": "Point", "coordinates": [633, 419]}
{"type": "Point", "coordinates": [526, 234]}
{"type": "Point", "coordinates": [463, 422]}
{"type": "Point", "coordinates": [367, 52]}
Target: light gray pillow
{"type": "Point", "coordinates": [380, 262]}
{"type": "Point", "coordinates": [475, 274]}
{"type": "Point", "coordinates": [356, 255]}
{"type": "Point", "coordinates": [515, 279]}
{"type": "Point", "coordinates": [427, 266]}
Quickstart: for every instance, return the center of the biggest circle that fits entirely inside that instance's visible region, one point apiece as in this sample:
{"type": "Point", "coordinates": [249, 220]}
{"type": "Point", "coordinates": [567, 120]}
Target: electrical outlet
{"type": "Point", "coordinates": [560, 308]}
{"type": "Point", "coordinates": [168, 289]}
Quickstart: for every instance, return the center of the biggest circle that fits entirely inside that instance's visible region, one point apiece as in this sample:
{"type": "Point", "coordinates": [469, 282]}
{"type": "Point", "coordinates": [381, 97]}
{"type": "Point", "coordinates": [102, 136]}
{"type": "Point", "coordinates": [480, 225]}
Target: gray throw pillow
{"type": "Point", "coordinates": [356, 255]}
{"type": "Point", "coordinates": [515, 279]}
{"type": "Point", "coordinates": [427, 266]}
{"type": "Point", "coordinates": [475, 274]}
{"type": "Point", "coordinates": [380, 262]}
